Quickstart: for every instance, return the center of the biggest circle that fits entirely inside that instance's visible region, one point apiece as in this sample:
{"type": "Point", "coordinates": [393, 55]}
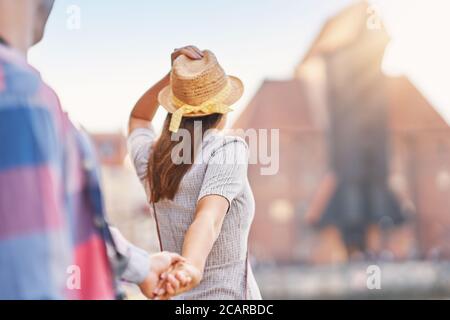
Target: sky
{"type": "Point", "coordinates": [100, 67]}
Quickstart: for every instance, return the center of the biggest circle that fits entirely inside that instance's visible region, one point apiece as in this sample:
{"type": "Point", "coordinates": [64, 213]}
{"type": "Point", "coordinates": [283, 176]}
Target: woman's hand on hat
{"type": "Point", "coordinates": [191, 52]}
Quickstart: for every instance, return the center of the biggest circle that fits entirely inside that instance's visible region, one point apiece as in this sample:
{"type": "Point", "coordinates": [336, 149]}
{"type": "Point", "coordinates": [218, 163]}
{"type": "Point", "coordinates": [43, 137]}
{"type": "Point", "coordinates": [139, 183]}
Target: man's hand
{"type": "Point", "coordinates": [191, 52]}
{"type": "Point", "coordinates": [159, 263]}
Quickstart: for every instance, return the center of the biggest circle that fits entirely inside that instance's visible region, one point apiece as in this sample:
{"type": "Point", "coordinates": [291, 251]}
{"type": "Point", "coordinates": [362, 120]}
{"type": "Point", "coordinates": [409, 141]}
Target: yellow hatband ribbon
{"type": "Point", "coordinates": [212, 105]}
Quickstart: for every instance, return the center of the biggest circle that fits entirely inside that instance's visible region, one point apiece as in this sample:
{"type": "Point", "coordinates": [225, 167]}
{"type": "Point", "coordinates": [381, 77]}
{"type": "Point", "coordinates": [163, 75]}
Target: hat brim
{"type": "Point", "coordinates": [236, 92]}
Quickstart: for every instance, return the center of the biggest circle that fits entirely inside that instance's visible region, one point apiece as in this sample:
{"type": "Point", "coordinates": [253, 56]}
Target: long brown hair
{"type": "Point", "coordinates": [163, 175]}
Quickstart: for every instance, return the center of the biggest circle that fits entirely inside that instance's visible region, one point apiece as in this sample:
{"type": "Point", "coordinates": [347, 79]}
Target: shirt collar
{"type": "Point", "coordinates": [14, 56]}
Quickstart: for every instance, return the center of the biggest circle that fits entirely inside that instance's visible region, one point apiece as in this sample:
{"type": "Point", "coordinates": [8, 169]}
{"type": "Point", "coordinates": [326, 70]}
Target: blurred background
{"type": "Point", "coordinates": [360, 93]}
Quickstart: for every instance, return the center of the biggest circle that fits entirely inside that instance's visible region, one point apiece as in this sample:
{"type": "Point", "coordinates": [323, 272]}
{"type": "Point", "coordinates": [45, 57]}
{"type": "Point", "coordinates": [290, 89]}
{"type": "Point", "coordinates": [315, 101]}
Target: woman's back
{"type": "Point", "coordinates": [219, 169]}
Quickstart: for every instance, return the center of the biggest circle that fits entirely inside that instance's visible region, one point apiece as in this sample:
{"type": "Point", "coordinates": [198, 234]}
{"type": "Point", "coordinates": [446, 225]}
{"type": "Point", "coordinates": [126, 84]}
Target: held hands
{"type": "Point", "coordinates": [169, 275]}
{"type": "Point", "coordinates": [181, 278]}
{"type": "Point", "coordinates": [159, 264]}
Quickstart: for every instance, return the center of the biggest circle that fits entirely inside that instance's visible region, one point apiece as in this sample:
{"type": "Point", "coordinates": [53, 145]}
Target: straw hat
{"type": "Point", "coordinates": [199, 88]}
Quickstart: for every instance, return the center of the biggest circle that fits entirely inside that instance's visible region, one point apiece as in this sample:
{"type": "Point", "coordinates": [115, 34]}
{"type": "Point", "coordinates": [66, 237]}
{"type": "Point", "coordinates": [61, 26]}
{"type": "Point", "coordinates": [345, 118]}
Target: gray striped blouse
{"type": "Point", "coordinates": [220, 168]}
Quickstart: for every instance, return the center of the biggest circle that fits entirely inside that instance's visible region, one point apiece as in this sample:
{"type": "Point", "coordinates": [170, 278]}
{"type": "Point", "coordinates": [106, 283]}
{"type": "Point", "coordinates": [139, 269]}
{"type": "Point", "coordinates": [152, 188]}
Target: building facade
{"type": "Point", "coordinates": [364, 152]}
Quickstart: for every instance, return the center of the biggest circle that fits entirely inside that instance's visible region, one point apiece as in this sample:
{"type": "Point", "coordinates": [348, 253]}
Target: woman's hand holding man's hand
{"type": "Point", "coordinates": [160, 263]}
{"type": "Point", "coordinates": [181, 278]}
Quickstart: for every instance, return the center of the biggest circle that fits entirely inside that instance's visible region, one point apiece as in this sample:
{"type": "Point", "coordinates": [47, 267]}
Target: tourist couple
{"type": "Point", "coordinates": [54, 241]}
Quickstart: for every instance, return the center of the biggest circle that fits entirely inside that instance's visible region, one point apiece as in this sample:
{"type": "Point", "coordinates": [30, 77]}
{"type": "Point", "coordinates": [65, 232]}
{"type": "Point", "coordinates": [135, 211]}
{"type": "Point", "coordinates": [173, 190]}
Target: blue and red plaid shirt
{"type": "Point", "coordinates": [50, 197]}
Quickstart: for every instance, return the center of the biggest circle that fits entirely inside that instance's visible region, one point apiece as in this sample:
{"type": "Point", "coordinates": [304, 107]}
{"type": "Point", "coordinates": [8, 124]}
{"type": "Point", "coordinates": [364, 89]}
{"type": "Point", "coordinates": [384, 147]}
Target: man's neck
{"type": "Point", "coordinates": [16, 21]}
{"type": "Point", "coordinates": [15, 40]}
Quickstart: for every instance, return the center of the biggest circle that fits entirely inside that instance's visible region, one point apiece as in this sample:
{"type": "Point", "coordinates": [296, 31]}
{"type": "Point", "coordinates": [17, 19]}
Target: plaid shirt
{"type": "Point", "coordinates": [51, 214]}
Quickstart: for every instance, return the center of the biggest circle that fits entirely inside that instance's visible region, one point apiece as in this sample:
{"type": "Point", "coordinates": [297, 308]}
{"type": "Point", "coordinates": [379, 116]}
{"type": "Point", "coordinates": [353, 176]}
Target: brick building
{"type": "Point", "coordinates": [340, 99]}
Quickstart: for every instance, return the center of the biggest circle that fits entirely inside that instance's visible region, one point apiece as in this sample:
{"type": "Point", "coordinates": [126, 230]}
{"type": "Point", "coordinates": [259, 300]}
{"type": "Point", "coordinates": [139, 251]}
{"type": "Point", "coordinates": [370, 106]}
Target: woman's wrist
{"type": "Point", "coordinates": [198, 265]}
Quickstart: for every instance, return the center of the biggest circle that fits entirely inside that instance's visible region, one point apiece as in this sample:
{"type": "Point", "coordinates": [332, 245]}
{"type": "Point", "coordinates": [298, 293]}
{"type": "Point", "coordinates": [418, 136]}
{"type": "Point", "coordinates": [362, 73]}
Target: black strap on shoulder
{"type": "Point", "coordinates": [157, 227]}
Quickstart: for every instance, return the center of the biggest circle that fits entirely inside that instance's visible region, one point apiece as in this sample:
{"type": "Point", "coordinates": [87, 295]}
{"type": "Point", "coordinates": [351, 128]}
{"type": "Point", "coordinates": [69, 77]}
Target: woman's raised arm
{"type": "Point", "coordinates": [145, 109]}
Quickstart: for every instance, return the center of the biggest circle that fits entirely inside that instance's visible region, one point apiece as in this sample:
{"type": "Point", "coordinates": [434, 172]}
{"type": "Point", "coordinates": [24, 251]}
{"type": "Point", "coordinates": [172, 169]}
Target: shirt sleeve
{"type": "Point", "coordinates": [226, 171]}
{"type": "Point", "coordinates": [138, 259]}
{"type": "Point", "coordinates": [140, 143]}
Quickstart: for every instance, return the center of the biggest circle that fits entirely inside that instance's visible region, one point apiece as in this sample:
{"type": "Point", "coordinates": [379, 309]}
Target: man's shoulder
{"type": "Point", "coordinates": [19, 80]}
{"type": "Point", "coordinates": [22, 86]}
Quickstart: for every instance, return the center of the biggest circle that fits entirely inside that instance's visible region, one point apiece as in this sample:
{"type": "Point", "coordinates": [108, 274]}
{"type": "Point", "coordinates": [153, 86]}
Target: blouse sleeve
{"type": "Point", "coordinates": [140, 143]}
{"type": "Point", "coordinates": [226, 171]}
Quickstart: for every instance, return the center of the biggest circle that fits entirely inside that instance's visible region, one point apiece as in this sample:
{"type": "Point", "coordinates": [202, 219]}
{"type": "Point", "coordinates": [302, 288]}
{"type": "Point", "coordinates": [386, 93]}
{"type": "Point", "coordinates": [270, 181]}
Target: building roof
{"type": "Point", "coordinates": [111, 148]}
{"type": "Point", "coordinates": [409, 110]}
{"type": "Point", "coordinates": [280, 104]}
